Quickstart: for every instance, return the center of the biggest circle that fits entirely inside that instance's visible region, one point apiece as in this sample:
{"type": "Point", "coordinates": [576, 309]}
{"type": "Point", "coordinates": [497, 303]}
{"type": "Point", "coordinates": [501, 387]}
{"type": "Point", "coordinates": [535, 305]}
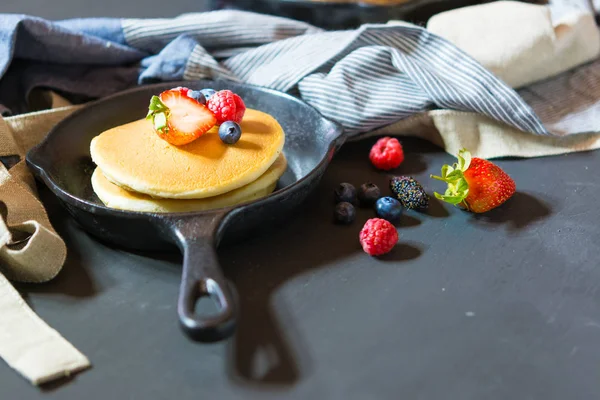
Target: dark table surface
{"type": "Point", "coordinates": [503, 306]}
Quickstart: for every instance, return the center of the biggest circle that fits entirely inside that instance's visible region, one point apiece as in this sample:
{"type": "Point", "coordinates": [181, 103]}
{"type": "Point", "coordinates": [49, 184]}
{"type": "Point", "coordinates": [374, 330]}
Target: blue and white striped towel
{"type": "Point", "coordinates": [364, 79]}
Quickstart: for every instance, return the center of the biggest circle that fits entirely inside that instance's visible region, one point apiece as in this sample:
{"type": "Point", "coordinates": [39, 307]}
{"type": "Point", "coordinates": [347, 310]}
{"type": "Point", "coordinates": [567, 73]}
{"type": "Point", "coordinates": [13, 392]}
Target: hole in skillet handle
{"type": "Point", "coordinates": [202, 280]}
{"type": "Point", "coordinates": [207, 305]}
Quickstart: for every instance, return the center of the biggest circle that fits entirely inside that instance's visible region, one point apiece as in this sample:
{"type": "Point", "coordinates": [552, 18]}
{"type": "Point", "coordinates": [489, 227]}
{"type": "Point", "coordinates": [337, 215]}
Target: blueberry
{"type": "Point", "coordinates": [345, 192]}
{"type": "Point", "coordinates": [368, 193]}
{"type": "Point", "coordinates": [197, 95]}
{"type": "Point", "coordinates": [388, 208]}
{"type": "Point", "coordinates": [230, 132]}
{"type": "Point", "coordinates": [208, 93]}
{"type": "Point", "coordinates": [344, 213]}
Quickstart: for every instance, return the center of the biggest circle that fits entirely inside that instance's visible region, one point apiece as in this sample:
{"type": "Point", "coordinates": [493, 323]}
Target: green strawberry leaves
{"type": "Point", "coordinates": [464, 159]}
{"type": "Point", "coordinates": [158, 113]}
{"type": "Point", "coordinates": [458, 187]}
{"type": "Point", "coordinates": [160, 121]}
{"type": "Point", "coordinates": [157, 105]}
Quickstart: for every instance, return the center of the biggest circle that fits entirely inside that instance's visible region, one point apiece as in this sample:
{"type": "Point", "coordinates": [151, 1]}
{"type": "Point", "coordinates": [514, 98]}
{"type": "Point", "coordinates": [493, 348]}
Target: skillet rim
{"type": "Point", "coordinates": [336, 4]}
{"type": "Point", "coordinates": [35, 154]}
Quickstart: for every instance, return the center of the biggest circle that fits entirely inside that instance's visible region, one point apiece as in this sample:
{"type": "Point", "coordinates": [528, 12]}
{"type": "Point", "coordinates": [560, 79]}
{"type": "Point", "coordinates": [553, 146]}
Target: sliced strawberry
{"type": "Point", "coordinates": [181, 89]}
{"type": "Point", "coordinates": [179, 119]}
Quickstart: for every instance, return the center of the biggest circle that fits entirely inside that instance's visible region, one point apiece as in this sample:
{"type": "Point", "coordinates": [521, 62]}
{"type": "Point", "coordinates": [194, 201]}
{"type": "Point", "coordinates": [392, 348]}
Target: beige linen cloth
{"type": "Point", "coordinates": [27, 343]}
{"type": "Point", "coordinates": [520, 43]}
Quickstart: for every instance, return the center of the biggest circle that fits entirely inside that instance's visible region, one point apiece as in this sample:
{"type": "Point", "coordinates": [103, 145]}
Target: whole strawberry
{"type": "Point", "coordinates": [226, 106]}
{"type": "Point", "coordinates": [475, 184]}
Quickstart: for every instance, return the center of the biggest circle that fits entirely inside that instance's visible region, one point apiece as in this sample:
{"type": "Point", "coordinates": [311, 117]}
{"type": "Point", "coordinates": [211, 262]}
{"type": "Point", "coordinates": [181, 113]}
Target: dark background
{"type": "Point", "coordinates": [501, 306]}
{"type": "Point", "coordinates": [60, 9]}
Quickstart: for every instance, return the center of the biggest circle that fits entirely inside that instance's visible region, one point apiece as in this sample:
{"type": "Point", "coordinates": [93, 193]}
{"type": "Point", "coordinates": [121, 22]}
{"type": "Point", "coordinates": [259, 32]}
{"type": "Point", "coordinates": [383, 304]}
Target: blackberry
{"type": "Point", "coordinates": [410, 192]}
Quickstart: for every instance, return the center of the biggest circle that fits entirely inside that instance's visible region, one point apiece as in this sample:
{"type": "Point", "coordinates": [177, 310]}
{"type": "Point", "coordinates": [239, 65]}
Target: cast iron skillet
{"type": "Point", "coordinates": [62, 161]}
{"type": "Point", "coordinates": [346, 15]}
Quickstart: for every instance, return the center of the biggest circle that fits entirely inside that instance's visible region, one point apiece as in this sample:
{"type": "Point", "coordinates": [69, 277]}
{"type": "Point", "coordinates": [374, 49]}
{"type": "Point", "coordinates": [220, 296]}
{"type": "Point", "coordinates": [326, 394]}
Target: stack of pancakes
{"type": "Point", "coordinates": [139, 171]}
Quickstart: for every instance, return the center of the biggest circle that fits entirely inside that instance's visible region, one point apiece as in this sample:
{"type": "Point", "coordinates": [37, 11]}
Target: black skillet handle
{"type": "Point", "coordinates": [197, 238]}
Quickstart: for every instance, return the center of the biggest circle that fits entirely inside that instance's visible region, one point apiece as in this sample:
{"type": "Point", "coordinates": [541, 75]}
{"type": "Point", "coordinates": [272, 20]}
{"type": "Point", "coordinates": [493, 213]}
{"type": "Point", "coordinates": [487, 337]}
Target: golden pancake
{"type": "Point", "coordinates": [135, 158]}
{"type": "Point", "coordinates": [117, 197]}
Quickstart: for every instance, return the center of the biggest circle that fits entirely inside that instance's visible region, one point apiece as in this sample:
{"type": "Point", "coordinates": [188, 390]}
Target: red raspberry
{"type": "Point", "coordinates": [227, 106]}
{"type": "Point", "coordinates": [241, 108]}
{"type": "Point", "coordinates": [378, 237]}
{"type": "Point", "coordinates": [386, 153]}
